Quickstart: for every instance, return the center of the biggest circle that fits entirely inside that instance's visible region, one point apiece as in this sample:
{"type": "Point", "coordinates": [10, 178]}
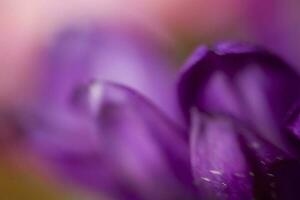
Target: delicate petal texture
{"type": "Point", "coordinates": [220, 168]}
{"type": "Point", "coordinates": [242, 81]}
{"type": "Point", "coordinates": [118, 143]}
{"type": "Point", "coordinates": [120, 54]}
{"type": "Point", "coordinates": [230, 162]}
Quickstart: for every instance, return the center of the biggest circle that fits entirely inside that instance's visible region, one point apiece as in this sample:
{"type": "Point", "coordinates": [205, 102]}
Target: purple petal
{"type": "Point", "coordinates": [292, 129]}
{"type": "Point", "coordinates": [116, 142]}
{"type": "Point", "coordinates": [241, 81]}
{"type": "Point", "coordinates": [232, 162]}
{"type": "Point", "coordinates": [120, 54]}
{"type": "Point", "coordinates": [220, 168]}
{"type": "Point", "coordinates": [276, 173]}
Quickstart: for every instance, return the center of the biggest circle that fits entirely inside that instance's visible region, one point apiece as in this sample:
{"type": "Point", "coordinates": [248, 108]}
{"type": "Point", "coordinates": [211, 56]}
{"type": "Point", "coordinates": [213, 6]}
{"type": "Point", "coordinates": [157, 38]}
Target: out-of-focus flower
{"type": "Point", "coordinates": [115, 142]}
{"type": "Point", "coordinates": [122, 54]}
{"type": "Point", "coordinates": [236, 98]}
{"type": "Point", "coordinates": [93, 125]}
{"type": "Point", "coordinates": [104, 136]}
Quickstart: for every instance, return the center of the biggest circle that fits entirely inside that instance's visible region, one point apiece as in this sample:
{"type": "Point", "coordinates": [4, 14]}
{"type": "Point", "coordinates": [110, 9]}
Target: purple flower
{"type": "Point", "coordinates": [242, 81]}
{"type": "Point", "coordinates": [124, 55]}
{"type": "Point", "coordinates": [117, 143]}
{"type": "Point", "coordinates": [235, 98]}
{"type": "Point", "coordinates": [94, 123]}
{"type": "Point", "coordinates": [92, 131]}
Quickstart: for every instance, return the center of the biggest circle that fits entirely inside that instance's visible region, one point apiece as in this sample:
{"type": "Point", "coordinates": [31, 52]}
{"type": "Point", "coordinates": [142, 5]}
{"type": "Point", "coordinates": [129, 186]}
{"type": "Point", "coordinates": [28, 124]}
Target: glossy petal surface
{"type": "Point", "coordinates": [235, 163]}
{"type": "Point", "coordinates": [220, 168]}
{"type": "Point", "coordinates": [242, 81]}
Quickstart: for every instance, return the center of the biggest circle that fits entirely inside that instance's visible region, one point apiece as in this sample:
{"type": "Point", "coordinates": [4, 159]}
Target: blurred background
{"type": "Point", "coordinates": [180, 25]}
{"type": "Point", "coordinates": [28, 29]}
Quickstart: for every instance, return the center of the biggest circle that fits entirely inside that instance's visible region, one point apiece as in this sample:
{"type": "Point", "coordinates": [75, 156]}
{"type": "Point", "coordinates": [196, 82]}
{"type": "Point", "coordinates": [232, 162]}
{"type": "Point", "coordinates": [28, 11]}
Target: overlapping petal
{"type": "Point", "coordinates": [241, 81]}
{"type": "Point", "coordinates": [221, 170]}
{"type": "Point", "coordinates": [233, 162]}
{"type": "Point", "coordinates": [239, 96]}
{"type": "Point", "coordinates": [115, 141]}
{"type": "Point", "coordinates": [125, 55]}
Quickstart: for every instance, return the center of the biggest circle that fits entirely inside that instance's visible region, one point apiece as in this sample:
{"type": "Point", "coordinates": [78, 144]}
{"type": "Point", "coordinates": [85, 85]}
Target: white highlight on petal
{"type": "Point", "coordinates": [255, 145]}
{"type": "Point", "coordinates": [205, 179]}
{"type": "Point", "coordinates": [215, 172]}
{"type": "Point", "coordinates": [96, 94]}
{"type": "Point", "coordinates": [239, 175]}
